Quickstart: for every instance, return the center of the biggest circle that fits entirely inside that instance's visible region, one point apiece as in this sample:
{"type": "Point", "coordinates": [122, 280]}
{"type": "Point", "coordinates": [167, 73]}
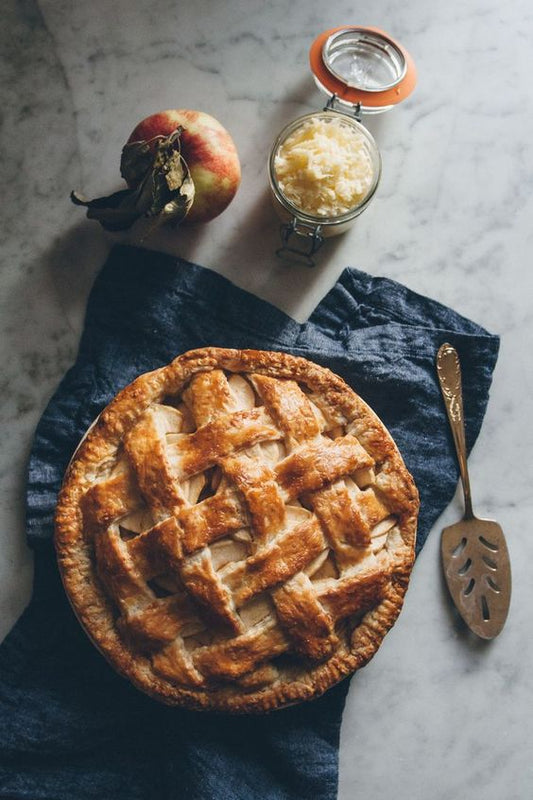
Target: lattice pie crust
{"type": "Point", "coordinates": [236, 531]}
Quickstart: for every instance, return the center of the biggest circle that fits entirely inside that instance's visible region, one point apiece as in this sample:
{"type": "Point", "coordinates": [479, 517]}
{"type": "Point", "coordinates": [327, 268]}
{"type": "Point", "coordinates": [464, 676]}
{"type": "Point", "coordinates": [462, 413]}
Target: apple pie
{"type": "Point", "coordinates": [236, 531]}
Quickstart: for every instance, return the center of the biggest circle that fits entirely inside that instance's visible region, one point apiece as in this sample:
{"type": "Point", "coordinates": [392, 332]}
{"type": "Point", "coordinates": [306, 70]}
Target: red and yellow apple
{"type": "Point", "coordinates": [209, 151]}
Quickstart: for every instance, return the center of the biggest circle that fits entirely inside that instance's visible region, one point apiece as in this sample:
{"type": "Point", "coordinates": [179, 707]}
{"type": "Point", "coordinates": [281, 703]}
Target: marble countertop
{"type": "Point", "coordinates": [436, 713]}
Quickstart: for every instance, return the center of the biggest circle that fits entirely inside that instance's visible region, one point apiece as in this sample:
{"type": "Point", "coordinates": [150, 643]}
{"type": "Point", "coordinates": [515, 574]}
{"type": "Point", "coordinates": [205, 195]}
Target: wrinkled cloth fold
{"type": "Point", "coordinates": [69, 726]}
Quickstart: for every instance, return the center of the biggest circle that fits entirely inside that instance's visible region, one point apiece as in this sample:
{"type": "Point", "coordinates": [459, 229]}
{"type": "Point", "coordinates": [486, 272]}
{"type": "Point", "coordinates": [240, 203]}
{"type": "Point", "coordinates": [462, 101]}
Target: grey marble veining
{"type": "Point", "coordinates": [436, 714]}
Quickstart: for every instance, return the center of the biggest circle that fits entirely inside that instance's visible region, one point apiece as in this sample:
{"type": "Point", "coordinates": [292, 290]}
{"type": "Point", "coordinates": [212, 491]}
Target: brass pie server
{"type": "Point", "coordinates": [474, 553]}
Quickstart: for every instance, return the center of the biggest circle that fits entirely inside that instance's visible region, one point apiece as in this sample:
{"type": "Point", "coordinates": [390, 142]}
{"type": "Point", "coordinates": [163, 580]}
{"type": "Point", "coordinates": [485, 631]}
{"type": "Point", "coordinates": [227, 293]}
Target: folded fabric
{"type": "Point", "coordinates": [69, 726]}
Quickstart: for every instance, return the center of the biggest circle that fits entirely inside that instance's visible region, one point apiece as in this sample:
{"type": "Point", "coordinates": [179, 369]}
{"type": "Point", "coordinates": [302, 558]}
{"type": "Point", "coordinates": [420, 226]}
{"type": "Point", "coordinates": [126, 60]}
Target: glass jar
{"type": "Point", "coordinates": [361, 70]}
{"type": "Point", "coordinates": [303, 231]}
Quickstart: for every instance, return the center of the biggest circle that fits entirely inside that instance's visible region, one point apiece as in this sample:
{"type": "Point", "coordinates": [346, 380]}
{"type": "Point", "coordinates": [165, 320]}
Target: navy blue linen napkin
{"type": "Point", "coordinates": [69, 726]}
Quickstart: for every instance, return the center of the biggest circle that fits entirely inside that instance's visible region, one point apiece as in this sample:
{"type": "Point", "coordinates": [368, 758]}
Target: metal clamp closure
{"type": "Point", "coordinates": [295, 233]}
{"type": "Point", "coordinates": [353, 109]}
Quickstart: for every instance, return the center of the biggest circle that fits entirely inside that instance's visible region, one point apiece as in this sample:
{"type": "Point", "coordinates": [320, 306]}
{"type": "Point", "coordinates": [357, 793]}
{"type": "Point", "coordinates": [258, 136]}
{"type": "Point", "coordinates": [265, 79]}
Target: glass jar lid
{"type": "Point", "coordinates": [362, 67]}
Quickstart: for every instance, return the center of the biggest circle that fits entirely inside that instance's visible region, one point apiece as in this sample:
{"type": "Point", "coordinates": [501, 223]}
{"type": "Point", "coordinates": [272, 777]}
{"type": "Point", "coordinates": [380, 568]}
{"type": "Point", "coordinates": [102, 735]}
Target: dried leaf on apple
{"type": "Point", "coordinates": [161, 186]}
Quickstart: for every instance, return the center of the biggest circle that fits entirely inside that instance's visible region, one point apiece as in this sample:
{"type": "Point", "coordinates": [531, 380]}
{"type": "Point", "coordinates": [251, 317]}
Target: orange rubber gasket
{"type": "Point", "coordinates": [349, 94]}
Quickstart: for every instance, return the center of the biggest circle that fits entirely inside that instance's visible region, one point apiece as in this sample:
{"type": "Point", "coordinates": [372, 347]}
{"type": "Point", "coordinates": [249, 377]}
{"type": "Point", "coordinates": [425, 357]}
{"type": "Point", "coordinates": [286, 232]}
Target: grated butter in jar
{"type": "Point", "coordinates": [325, 167]}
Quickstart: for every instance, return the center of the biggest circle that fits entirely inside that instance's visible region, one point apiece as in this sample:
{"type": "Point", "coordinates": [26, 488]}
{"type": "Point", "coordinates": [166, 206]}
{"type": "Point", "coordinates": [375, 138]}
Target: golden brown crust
{"type": "Point", "coordinates": [329, 585]}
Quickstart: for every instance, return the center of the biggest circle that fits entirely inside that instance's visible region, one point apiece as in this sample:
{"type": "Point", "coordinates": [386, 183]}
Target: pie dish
{"type": "Point", "coordinates": [236, 531]}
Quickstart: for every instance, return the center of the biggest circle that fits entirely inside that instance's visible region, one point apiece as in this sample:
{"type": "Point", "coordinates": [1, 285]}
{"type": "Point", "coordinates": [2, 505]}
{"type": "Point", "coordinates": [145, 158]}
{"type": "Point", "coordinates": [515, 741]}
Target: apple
{"type": "Point", "coordinates": [209, 151]}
